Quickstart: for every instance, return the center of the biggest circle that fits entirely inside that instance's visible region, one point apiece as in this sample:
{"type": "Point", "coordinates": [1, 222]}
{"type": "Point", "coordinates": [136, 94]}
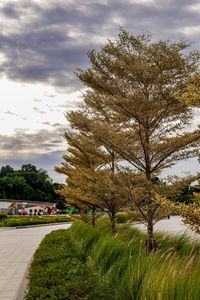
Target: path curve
{"type": "Point", "coordinates": [172, 226]}
{"type": "Point", "coordinates": [17, 247]}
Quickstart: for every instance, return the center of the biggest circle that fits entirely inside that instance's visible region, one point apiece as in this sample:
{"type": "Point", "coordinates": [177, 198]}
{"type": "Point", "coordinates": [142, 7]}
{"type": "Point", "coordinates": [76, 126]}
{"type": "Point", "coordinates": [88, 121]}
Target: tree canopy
{"type": "Point", "coordinates": [27, 183]}
{"type": "Point", "coordinates": [134, 107]}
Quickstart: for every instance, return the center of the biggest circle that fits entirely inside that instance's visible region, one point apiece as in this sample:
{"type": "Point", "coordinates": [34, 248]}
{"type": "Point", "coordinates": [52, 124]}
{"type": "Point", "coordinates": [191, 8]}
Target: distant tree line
{"type": "Point", "coordinates": [27, 183]}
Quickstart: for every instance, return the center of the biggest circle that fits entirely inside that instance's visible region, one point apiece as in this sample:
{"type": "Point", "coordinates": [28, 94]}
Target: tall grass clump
{"type": "Point", "coordinates": [89, 263]}
{"type": "Point", "coordinates": [123, 270]}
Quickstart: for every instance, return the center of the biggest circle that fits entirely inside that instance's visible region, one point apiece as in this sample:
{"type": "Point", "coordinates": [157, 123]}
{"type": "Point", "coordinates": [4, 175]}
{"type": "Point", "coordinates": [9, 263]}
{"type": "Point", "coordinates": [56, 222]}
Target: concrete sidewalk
{"type": "Point", "coordinates": [16, 251]}
{"type": "Point", "coordinates": [172, 226]}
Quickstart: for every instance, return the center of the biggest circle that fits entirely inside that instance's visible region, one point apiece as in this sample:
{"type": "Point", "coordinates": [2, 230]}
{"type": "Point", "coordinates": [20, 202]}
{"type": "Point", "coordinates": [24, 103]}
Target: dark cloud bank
{"type": "Point", "coordinates": [49, 39]}
{"type": "Point", "coordinates": [45, 42]}
{"type": "Point", "coordinates": [43, 149]}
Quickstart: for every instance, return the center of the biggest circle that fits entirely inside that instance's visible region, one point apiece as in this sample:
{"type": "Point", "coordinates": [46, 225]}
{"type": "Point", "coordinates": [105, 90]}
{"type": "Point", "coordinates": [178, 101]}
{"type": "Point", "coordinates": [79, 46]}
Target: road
{"type": "Point", "coordinates": [172, 226]}
{"type": "Point", "coordinates": [16, 251]}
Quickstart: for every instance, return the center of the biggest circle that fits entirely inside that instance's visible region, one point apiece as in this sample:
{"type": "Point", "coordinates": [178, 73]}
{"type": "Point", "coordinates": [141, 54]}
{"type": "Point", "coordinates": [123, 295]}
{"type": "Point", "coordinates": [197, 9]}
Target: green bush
{"type": "Point", "coordinates": [23, 221]}
{"type": "Point", "coordinates": [58, 270]}
{"type": "Point", "coordinates": [3, 217]}
{"type": "Point", "coordinates": [123, 218]}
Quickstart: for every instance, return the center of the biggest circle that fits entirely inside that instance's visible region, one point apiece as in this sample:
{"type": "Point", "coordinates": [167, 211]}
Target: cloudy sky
{"type": "Point", "coordinates": [43, 42]}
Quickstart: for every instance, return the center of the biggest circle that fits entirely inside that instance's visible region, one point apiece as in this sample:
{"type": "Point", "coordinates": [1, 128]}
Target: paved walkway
{"type": "Point", "coordinates": [172, 226]}
{"type": "Point", "coordinates": [17, 247]}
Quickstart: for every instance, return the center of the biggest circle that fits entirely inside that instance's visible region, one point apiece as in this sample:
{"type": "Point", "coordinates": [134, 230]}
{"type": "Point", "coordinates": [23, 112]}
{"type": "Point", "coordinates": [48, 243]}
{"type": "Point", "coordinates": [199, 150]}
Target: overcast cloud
{"type": "Point", "coordinates": [45, 41]}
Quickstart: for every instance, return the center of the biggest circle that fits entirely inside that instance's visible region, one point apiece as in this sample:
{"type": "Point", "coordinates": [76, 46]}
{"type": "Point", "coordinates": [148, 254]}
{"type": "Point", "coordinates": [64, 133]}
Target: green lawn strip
{"type": "Point", "coordinates": [58, 270]}
{"type": "Point", "coordinates": [12, 222]}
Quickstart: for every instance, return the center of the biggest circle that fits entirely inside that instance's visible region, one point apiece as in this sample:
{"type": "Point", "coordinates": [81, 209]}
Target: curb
{"type": "Point", "coordinates": [7, 228]}
{"type": "Point", "coordinates": [41, 225]}
{"type": "Point", "coordinates": [32, 226]}
{"type": "Point", "coordinates": [24, 284]}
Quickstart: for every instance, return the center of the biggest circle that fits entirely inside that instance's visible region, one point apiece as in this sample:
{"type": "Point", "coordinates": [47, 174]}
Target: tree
{"type": "Point", "coordinates": [190, 95]}
{"type": "Point", "coordinates": [28, 168]}
{"type": "Point", "coordinates": [27, 183]}
{"type": "Point", "coordinates": [186, 196]}
{"type": "Point", "coordinates": [6, 170]}
{"type": "Point", "coordinates": [89, 170]}
{"type": "Point", "coordinates": [61, 203]}
{"type": "Point", "coordinates": [80, 161]}
{"type": "Point", "coordinates": [196, 192]}
{"type": "Point", "coordinates": [137, 79]}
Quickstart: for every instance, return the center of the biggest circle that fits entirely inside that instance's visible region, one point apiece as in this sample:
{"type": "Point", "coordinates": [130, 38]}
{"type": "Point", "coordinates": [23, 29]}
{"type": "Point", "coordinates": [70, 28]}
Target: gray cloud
{"type": "Point", "coordinates": [46, 42]}
{"type": "Point", "coordinates": [49, 40]}
{"type": "Point", "coordinates": [31, 144]}
{"type": "Point", "coordinates": [37, 100]}
{"type": "Point", "coordinates": [8, 112]}
{"type": "Point", "coordinates": [183, 167]}
{"type": "Point", "coordinates": [50, 95]}
{"type": "Point", "coordinates": [39, 111]}
{"type": "Point", "coordinates": [52, 124]}
{"type": "Point", "coordinates": [46, 123]}
{"type": "Point", "coordinates": [44, 149]}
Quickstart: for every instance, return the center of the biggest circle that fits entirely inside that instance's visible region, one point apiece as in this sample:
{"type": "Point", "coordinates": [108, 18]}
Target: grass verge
{"type": "Point", "coordinates": [59, 271]}
{"type": "Point", "coordinates": [118, 265]}
{"type": "Point", "coordinates": [23, 221]}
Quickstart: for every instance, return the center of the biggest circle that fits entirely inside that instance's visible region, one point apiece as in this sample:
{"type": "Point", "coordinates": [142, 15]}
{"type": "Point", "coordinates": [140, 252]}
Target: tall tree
{"type": "Point", "coordinates": [79, 161]}
{"type": "Point", "coordinates": [6, 171]}
{"type": "Point", "coordinates": [137, 80]}
{"type": "Point", "coordinates": [89, 169]}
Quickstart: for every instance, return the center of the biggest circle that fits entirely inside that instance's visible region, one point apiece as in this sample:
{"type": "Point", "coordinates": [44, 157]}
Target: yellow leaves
{"type": "Point", "coordinates": [197, 196]}
{"type": "Point", "coordinates": [190, 97]}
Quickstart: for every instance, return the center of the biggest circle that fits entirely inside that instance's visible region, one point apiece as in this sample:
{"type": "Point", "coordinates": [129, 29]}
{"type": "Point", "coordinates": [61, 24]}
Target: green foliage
{"type": "Point", "coordinates": [61, 203]}
{"type": "Point", "coordinates": [3, 216]}
{"type": "Point", "coordinates": [186, 196]}
{"type": "Point", "coordinates": [23, 221]}
{"type": "Point", "coordinates": [123, 218]}
{"type": "Point", "coordinates": [123, 270]}
{"type": "Point", "coordinates": [90, 263]}
{"type": "Point", "coordinates": [58, 270]}
{"type": "Point", "coordinates": [27, 183]}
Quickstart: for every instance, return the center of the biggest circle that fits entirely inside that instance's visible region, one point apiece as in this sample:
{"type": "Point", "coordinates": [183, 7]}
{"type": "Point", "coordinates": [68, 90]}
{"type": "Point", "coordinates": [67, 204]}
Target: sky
{"type": "Point", "coordinates": [43, 42]}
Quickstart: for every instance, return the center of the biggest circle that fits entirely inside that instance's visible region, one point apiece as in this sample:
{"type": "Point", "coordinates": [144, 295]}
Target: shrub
{"type": "Point", "coordinates": [123, 218]}
{"type": "Point", "coordinates": [58, 271]}
{"type": "Point", "coordinates": [23, 221]}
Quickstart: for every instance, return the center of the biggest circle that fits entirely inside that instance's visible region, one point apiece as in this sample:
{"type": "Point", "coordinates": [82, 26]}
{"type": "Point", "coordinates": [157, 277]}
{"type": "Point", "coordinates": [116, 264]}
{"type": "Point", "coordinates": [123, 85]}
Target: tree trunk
{"type": "Point", "coordinates": [149, 242]}
{"type": "Point", "coordinates": [112, 218]}
{"type": "Point", "coordinates": [93, 217]}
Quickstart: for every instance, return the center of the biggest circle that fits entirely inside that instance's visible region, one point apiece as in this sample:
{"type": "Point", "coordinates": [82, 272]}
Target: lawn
{"type": "Point", "coordinates": [23, 221]}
